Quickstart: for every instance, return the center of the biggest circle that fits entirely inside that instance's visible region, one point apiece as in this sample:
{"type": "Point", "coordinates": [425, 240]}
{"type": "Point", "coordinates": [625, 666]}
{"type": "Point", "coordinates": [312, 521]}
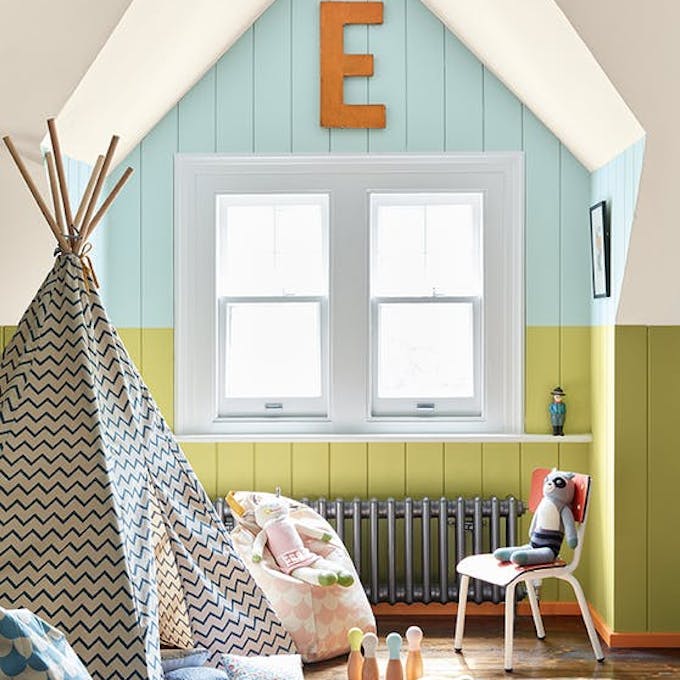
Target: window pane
{"type": "Point", "coordinates": [425, 350]}
{"type": "Point", "coordinates": [273, 350]}
{"type": "Point", "coordinates": [425, 245]}
{"type": "Point", "coordinates": [275, 246]}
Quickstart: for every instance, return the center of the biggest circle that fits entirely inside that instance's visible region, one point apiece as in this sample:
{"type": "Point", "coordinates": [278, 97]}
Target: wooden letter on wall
{"type": "Point", "coordinates": [336, 65]}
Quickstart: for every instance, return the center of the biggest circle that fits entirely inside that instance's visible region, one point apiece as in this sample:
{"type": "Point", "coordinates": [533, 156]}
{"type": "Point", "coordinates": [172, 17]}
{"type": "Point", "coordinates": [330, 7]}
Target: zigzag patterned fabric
{"type": "Point", "coordinates": [105, 530]}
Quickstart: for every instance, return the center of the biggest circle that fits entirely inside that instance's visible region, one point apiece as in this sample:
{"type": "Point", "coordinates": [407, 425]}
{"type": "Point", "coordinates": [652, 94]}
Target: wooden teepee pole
{"type": "Point", "coordinates": [63, 186]}
{"type": "Point", "coordinates": [88, 193]}
{"type": "Point", "coordinates": [97, 189]}
{"type": "Point", "coordinates": [36, 194]}
{"type": "Point", "coordinates": [54, 190]}
{"type": "Point", "coordinates": [89, 228]}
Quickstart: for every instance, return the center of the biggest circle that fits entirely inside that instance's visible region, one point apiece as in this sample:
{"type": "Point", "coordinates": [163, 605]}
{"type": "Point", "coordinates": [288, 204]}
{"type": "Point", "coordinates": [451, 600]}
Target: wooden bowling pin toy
{"type": "Point", "coordinates": [355, 660]}
{"type": "Point", "coordinates": [414, 659]}
{"type": "Point", "coordinates": [369, 670]}
{"type": "Point", "coordinates": [395, 670]}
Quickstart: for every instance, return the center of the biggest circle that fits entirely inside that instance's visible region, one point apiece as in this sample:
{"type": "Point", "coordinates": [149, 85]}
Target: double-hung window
{"type": "Point", "coordinates": [426, 304]}
{"type": "Point", "coordinates": [339, 296]}
{"type": "Point", "coordinates": [272, 293]}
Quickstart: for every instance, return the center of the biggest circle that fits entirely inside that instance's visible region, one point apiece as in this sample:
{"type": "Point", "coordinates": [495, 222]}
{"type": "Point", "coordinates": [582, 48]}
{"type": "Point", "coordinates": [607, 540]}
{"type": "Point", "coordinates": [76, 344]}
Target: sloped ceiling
{"type": "Point", "coordinates": [531, 46]}
{"type": "Point", "coordinates": [158, 51]}
{"type": "Point", "coordinates": [161, 48]}
{"type": "Point", "coordinates": [637, 43]}
{"type": "Point", "coordinates": [46, 47]}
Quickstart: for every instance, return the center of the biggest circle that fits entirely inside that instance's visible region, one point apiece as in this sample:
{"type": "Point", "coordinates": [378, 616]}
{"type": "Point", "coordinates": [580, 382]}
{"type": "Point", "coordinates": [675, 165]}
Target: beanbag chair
{"type": "Point", "coordinates": [31, 649]}
{"type": "Point", "coordinates": [316, 617]}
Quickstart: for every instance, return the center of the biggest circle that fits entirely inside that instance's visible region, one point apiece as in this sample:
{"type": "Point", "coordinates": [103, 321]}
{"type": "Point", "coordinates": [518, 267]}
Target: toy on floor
{"type": "Point", "coordinates": [369, 670]}
{"type": "Point", "coordinates": [282, 536]}
{"type": "Point", "coordinates": [414, 659]}
{"type": "Point", "coordinates": [355, 660]}
{"type": "Point", "coordinates": [551, 521]}
{"type": "Point", "coordinates": [395, 670]}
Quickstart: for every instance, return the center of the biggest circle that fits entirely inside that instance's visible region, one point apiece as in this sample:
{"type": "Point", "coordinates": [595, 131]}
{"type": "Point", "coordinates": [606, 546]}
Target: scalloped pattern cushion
{"type": "Point", "coordinates": [31, 649]}
{"type": "Point", "coordinates": [276, 667]}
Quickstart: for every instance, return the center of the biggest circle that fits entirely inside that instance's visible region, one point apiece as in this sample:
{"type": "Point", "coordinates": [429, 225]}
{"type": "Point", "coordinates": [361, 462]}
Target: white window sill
{"type": "Point", "coordinates": [405, 437]}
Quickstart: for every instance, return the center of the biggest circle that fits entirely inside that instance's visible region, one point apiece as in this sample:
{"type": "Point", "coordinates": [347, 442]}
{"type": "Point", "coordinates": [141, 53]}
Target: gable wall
{"type": "Point", "coordinates": [262, 97]}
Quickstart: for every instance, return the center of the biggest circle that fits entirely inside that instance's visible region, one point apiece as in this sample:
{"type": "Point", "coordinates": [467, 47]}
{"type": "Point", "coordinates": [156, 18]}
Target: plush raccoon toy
{"type": "Point", "coordinates": [552, 520]}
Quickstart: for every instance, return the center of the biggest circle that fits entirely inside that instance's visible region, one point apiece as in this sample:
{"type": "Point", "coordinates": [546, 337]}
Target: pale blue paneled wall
{"type": "Point", "coordinates": [262, 96]}
{"type": "Point", "coordinates": [617, 183]}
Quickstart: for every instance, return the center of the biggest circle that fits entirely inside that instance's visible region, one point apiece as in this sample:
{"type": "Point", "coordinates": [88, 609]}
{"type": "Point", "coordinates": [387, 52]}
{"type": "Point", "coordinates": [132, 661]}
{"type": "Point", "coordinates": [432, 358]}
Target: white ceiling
{"type": "Point", "coordinates": [46, 47]}
{"type": "Point", "coordinates": [531, 46]}
{"type": "Point", "coordinates": [637, 44]}
{"type": "Point", "coordinates": [158, 51]}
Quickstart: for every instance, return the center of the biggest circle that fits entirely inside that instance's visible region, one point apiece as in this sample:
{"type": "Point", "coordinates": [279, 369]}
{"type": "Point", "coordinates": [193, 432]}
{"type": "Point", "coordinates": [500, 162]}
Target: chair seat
{"type": "Point", "coordinates": [487, 568]}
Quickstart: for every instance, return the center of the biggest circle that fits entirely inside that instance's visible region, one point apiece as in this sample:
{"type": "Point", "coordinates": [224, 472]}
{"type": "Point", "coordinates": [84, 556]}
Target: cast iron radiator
{"type": "Point", "coordinates": [406, 550]}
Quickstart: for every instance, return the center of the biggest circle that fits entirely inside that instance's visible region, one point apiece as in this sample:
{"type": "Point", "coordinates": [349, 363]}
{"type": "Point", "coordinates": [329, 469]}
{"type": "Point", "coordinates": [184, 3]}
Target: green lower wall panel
{"type": "Point", "coordinates": [557, 355]}
{"type": "Point", "coordinates": [601, 517]}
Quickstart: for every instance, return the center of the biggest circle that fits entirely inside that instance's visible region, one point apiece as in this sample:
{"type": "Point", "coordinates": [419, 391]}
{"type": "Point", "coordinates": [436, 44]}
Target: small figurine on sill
{"type": "Point", "coordinates": [282, 536]}
{"type": "Point", "coordinates": [558, 411]}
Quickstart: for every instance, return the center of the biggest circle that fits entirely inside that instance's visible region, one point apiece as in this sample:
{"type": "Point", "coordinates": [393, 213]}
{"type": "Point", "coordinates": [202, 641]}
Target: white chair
{"type": "Point", "coordinates": [506, 574]}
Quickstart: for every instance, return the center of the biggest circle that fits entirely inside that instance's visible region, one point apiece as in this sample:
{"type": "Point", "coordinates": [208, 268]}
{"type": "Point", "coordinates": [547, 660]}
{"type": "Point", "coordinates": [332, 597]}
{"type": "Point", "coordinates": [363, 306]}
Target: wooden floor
{"type": "Point", "coordinates": [565, 653]}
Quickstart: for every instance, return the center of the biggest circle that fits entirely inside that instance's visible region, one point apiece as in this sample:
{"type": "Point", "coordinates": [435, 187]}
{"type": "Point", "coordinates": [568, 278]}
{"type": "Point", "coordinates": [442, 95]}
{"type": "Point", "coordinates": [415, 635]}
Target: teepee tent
{"type": "Point", "coordinates": [105, 530]}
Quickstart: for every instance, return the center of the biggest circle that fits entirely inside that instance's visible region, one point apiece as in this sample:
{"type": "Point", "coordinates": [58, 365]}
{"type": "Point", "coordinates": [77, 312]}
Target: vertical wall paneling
{"type": "Point", "coordinates": [348, 470]}
{"type": "Point", "coordinates": [630, 479]}
{"type": "Point", "coordinates": [157, 163]}
{"type": "Point", "coordinates": [386, 469]}
{"type": "Point", "coordinates": [424, 469]}
{"type": "Point", "coordinates": [575, 376]}
{"type": "Point", "coordinates": [663, 586]}
{"type": "Point", "coordinates": [542, 373]}
{"type": "Point", "coordinates": [308, 135]}
{"type": "Point", "coordinates": [157, 361]}
{"type": "Point", "coordinates": [310, 465]}
{"type": "Point", "coordinates": [196, 116]}
{"type": "Point", "coordinates": [132, 339]}
{"type": "Point", "coordinates": [234, 97]}
{"type": "Point", "coordinates": [464, 97]}
{"type": "Point", "coordinates": [424, 79]}
{"type": "Point", "coordinates": [542, 207]}
{"type": "Point", "coordinates": [356, 92]}
{"type": "Point", "coordinates": [123, 233]}
{"type": "Point", "coordinates": [235, 467]}
{"type": "Point", "coordinates": [388, 85]}
{"type": "Point", "coordinates": [273, 467]}
{"type": "Point", "coordinates": [501, 470]}
{"type": "Point", "coordinates": [463, 469]}
{"type": "Point", "coordinates": [502, 116]}
{"type": "Point", "coordinates": [203, 459]}
{"type": "Point", "coordinates": [271, 79]}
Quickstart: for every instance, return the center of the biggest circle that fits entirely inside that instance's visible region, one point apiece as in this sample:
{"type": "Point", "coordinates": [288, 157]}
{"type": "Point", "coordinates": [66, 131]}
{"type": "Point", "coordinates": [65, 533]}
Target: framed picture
{"type": "Point", "coordinates": [600, 245]}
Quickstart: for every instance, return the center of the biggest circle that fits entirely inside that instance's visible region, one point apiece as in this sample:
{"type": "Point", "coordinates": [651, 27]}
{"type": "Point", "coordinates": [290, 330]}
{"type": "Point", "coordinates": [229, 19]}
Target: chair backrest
{"type": "Point", "coordinates": [579, 505]}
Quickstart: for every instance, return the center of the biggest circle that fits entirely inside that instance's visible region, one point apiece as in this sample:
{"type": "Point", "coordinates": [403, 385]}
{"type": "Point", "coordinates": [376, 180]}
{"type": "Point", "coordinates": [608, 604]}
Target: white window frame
{"type": "Point", "coordinates": [199, 178]}
{"type": "Point", "coordinates": [272, 406]}
{"type": "Point", "coordinates": [426, 405]}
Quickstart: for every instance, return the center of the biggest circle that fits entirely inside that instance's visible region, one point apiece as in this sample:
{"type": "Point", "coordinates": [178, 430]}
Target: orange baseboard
{"type": "Point", "coordinates": [611, 637]}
